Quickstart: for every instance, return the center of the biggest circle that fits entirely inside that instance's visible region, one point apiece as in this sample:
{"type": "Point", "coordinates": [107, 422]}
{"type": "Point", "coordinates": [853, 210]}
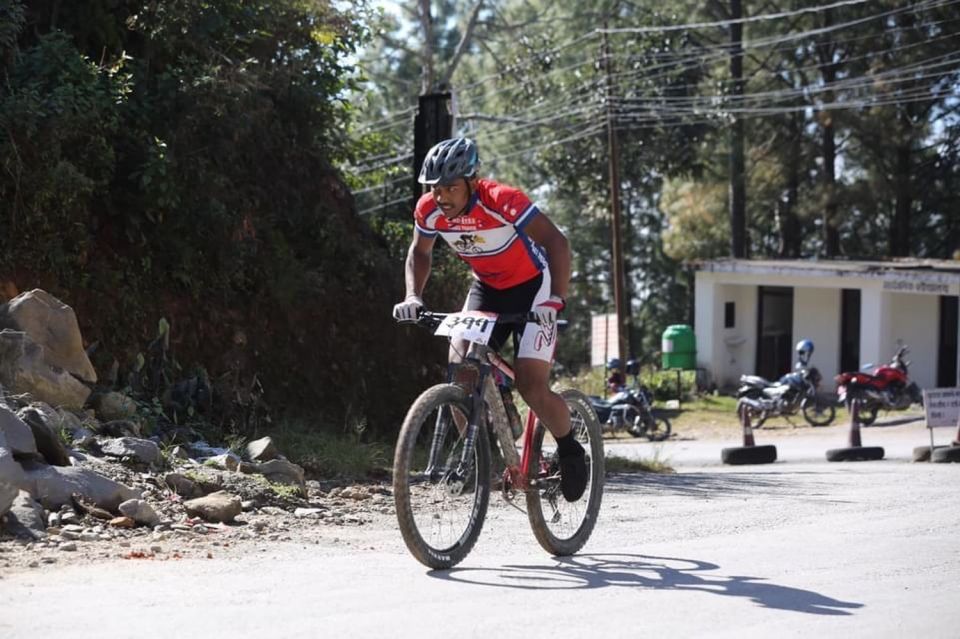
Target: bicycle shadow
{"type": "Point", "coordinates": [649, 572]}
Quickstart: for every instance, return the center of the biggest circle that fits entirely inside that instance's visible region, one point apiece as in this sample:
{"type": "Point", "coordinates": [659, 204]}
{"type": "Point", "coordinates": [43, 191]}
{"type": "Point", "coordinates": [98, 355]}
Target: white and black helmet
{"type": "Point", "coordinates": [450, 160]}
{"type": "Point", "coordinates": [804, 349]}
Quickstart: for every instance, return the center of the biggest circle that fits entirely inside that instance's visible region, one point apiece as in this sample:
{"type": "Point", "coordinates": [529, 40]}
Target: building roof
{"type": "Point", "coordinates": [813, 267]}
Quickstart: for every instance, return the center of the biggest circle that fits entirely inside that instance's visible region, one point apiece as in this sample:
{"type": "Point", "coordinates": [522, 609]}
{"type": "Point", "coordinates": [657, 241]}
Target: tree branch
{"type": "Point", "coordinates": [463, 44]}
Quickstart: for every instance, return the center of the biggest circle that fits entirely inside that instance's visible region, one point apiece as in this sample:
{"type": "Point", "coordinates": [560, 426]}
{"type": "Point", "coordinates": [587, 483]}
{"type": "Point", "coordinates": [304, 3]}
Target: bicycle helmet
{"type": "Point", "coordinates": [804, 350]}
{"type": "Point", "coordinates": [448, 161]}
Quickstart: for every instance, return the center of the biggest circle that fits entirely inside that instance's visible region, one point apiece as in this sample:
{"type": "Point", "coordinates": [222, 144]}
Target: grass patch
{"type": "Point", "coordinates": [618, 464]}
{"type": "Point", "coordinates": [325, 455]}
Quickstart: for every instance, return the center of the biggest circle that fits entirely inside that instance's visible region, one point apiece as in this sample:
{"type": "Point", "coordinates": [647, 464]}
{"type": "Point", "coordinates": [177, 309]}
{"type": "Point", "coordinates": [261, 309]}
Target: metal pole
{"type": "Point", "coordinates": [614, 168]}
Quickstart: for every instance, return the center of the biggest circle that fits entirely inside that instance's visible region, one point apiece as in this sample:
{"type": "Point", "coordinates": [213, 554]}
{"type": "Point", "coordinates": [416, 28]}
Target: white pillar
{"type": "Point", "coordinates": [705, 325]}
{"type": "Point", "coordinates": [874, 326]}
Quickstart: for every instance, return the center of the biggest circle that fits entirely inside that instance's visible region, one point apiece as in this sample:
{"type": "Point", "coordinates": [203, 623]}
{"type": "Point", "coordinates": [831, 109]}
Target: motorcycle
{"type": "Point", "coordinates": [796, 391]}
{"type": "Point", "coordinates": [888, 387]}
{"type": "Point", "coordinates": [631, 409]}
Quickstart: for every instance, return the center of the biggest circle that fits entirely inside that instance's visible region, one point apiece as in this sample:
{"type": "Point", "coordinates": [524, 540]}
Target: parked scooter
{"type": "Point", "coordinates": [796, 391]}
{"type": "Point", "coordinates": [630, 408]}
{"type": "Point", "coordinates": [888, 387]}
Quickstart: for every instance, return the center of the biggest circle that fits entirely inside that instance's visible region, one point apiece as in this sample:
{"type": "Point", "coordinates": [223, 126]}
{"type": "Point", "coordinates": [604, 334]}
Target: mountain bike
{"type": "Point", "coordinates": [442, 466]}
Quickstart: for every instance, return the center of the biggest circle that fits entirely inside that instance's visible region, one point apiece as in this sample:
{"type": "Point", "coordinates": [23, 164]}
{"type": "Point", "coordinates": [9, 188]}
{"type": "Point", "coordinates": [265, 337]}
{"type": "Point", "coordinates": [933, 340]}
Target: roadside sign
{"type": "Point", "coordinates": [942, 406]}
{"type": "Point", "coordinates": [603, 338]}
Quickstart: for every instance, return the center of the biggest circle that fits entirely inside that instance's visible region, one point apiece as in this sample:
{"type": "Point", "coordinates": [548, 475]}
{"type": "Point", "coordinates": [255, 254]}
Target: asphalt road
{"type": "Point", "coordinates": [798, 548]}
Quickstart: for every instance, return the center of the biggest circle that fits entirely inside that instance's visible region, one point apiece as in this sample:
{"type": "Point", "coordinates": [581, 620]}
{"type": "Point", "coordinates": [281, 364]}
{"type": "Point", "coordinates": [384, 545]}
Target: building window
{"type": "Point", "coordinates": [729, 315]}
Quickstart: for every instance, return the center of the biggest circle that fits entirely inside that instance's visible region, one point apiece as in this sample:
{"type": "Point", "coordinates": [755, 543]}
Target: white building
{"type": "Point", "coordinates": [749, 314]}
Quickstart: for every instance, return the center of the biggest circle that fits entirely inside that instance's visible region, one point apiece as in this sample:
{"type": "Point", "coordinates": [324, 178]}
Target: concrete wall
{"type": "Point", "coordinates": [816, 316]}
{"type": "Point", "coordinates": [738, 345]}
{"type": "Point", "coordinates": [915, 322]}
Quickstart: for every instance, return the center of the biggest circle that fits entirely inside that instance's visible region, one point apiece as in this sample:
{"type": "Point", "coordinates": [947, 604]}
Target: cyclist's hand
{"type": "Point", "coordinates": [408, 309]}
{"type": "Point", "coordinates": [547, 311]}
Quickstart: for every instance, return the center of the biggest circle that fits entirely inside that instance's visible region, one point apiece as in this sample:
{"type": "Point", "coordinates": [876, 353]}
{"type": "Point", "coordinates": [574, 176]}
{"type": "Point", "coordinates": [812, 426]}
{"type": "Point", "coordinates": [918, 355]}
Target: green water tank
{"type": "Point", "coordinates": [679, 347]}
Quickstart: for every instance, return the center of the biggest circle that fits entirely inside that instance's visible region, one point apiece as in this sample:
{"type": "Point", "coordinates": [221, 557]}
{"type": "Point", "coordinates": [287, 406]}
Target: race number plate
{"type": "Point", "coordinates": [473, 326]}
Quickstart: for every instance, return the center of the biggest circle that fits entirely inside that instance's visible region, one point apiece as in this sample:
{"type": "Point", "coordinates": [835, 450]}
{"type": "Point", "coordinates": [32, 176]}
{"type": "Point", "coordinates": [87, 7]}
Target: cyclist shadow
{"type": "Point", "coordinates": [648, 572]}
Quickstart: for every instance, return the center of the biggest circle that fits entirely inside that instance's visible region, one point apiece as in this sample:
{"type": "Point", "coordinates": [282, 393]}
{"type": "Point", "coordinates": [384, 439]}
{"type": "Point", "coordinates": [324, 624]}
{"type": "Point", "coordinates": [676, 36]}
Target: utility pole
{"type": "Point", "coordinates": [613, 153]}
{"type": "Point", "coordinates": [433, 123]}
{"type": "Point", "coordinates": [738, 190]}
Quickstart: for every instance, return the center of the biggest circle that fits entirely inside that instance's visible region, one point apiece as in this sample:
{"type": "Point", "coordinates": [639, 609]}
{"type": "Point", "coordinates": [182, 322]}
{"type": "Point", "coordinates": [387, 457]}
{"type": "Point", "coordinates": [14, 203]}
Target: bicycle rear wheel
{"type": "Point", "coordinates": [563, 527]}
{"type": "Point", "coordinates": [440, 506]}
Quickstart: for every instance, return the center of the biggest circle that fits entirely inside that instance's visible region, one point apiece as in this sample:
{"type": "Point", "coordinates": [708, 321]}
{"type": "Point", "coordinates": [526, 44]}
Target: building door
{"type": "Point", "coordinates": [849, 330]}
{"type": "Point", "coordinates": [947, 360]}
{"type": "Point", "coordinates": [774, 331]}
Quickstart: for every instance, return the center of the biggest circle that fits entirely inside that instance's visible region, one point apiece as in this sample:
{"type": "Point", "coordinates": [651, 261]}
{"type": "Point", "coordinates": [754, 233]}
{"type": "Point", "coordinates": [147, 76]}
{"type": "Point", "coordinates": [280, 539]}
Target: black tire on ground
{"type": "Point", "coordinates": [749, 455]}
{"type": "Point", "coordinates": [855, 453]}
{"type": "Point", "coordinates": [922, 453]}
{"type": "Point", "coordinates": [566, 526]}
{"type": "Point", "coordinates": [947, 454]}
{"type": "Point", "coordinates": [417, 495]}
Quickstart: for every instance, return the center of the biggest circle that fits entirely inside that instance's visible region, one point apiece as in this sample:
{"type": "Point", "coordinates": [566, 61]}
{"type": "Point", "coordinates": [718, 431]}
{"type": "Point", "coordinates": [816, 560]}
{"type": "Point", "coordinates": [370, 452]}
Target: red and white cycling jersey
{"type": "Point", "coordinates": [489, 237]}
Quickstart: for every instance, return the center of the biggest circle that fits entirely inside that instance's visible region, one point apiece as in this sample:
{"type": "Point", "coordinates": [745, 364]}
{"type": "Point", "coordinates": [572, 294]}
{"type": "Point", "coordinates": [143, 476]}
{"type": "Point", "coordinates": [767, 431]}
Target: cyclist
{"type": "Point", "coordinates": [520, 263]}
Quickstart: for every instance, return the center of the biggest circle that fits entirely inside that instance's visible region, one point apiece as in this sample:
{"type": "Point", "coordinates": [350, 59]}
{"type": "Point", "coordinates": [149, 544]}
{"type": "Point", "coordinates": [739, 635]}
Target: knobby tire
{"type": "Point", "coordinates": [409, 458]}
{"type": "Point", "coordinates": [546, 507]}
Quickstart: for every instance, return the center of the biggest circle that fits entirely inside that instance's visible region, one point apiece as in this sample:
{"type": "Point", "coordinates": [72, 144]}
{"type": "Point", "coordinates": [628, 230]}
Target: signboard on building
{"type": "Point", "coordinates": [942, 406]}
{"type": "Point", "coordinates": [899, 285]}
{"type": "Point", "coordinates": [603, 338]}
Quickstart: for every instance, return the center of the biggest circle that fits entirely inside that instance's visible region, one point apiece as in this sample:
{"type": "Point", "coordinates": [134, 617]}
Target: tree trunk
{"type": "Point", "coordinates": [428, 76]}
{"type": "Point", "coordinates": [738, 191]}
{"type": "Point", "coordinates": [831, 235]}
{"type": "Point", "coordinates": [900, 228]}
{"type": "Point", "coordinates": [790, 240]}
{"type": "Point", "coordinates": [828, 69]}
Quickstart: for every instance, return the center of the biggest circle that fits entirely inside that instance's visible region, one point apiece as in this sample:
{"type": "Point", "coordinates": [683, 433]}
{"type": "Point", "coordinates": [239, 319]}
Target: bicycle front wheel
{"type": "Point", "coordinates": [563, 527]}
{"type": "Point", "coordinates": [440, 502]}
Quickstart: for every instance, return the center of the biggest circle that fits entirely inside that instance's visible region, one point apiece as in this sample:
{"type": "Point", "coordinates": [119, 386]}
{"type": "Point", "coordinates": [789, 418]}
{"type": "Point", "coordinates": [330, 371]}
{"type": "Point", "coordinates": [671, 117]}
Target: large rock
{"type": "Point", "coordinates": [53, 325]}
{"type": "Point", "coordinates": [52, 487]}
{"type": "Point", "coordinates": [23, 370]}
{"type": "Point", "coordinates": [11, 476]}
{"type": "Point", "coordinates": [261, 450]}
{"type": "Point", "coordinates": [140, 511]}
{"type": "Point", "coordinates": [46, 436]}
{"type": "Point", "coordinates": [218, 506]}
{"type": "Point", "coordinates": [279, 471]}
{"type": "Point", "coordinates": [26, 517]}
{"type": "Point", "coordinates": [143, 451]}
{"type": "Point", "coordinates": [113, 405]}
{"type": "Point", "coordinates": [8, 492]}
{"type": "Point", "coordinates": [18, 435]}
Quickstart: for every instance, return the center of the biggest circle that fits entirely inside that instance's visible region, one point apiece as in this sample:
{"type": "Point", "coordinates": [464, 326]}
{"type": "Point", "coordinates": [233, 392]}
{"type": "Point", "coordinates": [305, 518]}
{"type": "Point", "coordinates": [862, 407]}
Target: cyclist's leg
{"type": "Point", "coordinates": [532, 368]}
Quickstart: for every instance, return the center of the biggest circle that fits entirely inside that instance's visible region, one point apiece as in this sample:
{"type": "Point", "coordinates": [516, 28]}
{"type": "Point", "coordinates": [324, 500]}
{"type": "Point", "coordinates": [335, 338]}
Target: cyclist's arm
{"type": "Point", "coordinates": [542, 231]}
{"type": "Point", "coordinates": [419, 262]}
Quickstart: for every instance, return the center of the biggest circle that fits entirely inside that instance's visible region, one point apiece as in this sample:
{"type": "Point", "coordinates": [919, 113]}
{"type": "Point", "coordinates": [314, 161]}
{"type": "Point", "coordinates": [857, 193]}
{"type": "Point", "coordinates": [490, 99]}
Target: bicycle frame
{"type": "Point", "coordinates": [482, 360]}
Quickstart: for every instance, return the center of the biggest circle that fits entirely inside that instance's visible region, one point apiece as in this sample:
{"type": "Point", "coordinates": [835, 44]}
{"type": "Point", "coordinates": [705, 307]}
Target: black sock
{"type": "Point", "coordinates": [568, 445]}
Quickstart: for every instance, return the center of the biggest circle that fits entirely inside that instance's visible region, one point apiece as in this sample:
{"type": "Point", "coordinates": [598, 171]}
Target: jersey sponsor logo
{"type": "Point", "coordinates": [545, 336]}
{"type": "Point", "coordinates": [469, 243]}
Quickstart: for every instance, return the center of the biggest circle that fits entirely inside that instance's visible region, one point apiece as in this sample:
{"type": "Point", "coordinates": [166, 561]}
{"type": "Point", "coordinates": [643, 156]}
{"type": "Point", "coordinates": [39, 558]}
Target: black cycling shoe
{"type": "Point", "coordinates": [573, 473]}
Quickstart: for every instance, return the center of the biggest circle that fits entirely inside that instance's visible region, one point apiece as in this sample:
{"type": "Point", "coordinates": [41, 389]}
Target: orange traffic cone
{"type": "Point", "coordinates": [749, 453]}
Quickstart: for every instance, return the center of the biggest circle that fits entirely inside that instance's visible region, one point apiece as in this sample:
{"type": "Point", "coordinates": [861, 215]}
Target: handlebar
{"type": "Point", "coordinates": [431, 319]}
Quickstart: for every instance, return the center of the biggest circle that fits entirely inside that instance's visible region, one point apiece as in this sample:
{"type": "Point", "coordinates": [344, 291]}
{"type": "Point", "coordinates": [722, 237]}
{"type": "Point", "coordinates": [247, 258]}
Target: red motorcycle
{"type": "Point", "coordinates": [888, 388]}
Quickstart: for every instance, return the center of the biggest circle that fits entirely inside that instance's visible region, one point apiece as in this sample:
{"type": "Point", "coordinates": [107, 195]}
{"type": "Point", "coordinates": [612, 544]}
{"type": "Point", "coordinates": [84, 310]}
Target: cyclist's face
{"type": "Point", "coordinates": [452, 198]}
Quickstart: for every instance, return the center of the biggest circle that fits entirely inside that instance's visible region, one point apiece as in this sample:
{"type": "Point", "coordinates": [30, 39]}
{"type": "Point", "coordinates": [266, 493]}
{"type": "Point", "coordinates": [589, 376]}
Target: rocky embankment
{"type": "Point", "coordinates": [80, 480]}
